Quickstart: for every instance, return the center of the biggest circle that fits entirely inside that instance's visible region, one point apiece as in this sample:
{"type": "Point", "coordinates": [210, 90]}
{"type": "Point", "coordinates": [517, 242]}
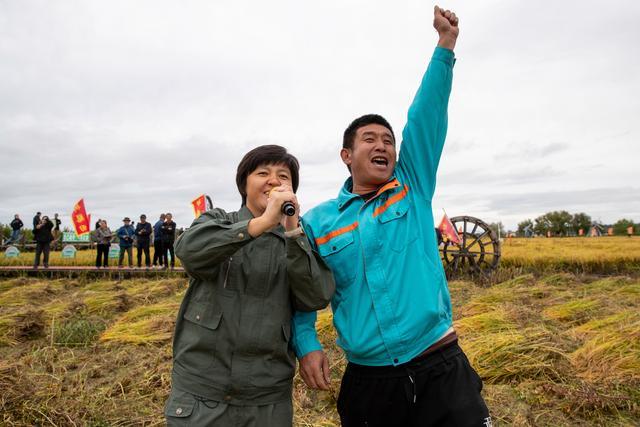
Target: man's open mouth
{"type": "Point", "coordinates": [380, 161]}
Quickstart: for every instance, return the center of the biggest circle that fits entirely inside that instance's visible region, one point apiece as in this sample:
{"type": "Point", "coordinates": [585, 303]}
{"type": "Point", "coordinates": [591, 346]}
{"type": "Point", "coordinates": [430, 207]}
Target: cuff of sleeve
{"type": "Point", "coordinates": [306, 344]}
{"type": "Point", "coordinates": [294, 233]}
{"type": "Point", "coordinates": [241, 230]}
{"type": "Point", "coordinates": [301, 241]}
{"type": "Point", "coordinates": [445, 55]}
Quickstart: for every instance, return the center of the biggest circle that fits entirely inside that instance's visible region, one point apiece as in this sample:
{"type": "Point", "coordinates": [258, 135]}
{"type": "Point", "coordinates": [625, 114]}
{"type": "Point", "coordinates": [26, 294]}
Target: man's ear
{"type": "Point", "coordinates": [345, 155]}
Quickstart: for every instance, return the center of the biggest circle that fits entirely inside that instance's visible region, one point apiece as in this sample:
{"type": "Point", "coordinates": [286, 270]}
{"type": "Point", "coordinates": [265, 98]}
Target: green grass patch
{"type": "Point", "coordinates": [77, 331]}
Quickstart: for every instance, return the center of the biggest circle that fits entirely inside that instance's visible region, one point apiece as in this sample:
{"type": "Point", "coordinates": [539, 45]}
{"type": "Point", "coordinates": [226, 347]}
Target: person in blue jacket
{"type": "Point", "coordinates": [126, 233]}
{"type": "Point", "coordinates": [392, 308]}
{"type": "Point", "coordinates": [158, 249]}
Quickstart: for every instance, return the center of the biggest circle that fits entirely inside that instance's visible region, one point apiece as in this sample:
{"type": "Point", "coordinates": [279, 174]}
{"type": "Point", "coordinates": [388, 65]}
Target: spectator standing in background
{"type": "Point", "coordinates": [36, 220]}
{"type": "Point", "coordinates": [157, 242]}
{"type": "Point", "coordinates": [56, 231]}
{"type": "Point", "coordinates": [143, 234]}
{"type": "Point", "coordinates": [103, 236]}
{"type": "Point", "coordinates": [42, 235]}
{"type": "Point", "coordinates": [16, 225]}
{"type": "Point", "coordinates": [125, 234]}
{"type": "Point", "coordinates": [168, 237]}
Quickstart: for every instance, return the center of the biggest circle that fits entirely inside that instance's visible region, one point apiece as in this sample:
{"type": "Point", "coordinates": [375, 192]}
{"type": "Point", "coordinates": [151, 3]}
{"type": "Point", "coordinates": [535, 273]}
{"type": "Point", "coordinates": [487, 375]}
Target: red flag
{"type": "Point", "coordinates": [80, 219]}
{"type": "Point", "coordinates": [448, 230]}
{"type": "Point", "coordinates": [199, 205]}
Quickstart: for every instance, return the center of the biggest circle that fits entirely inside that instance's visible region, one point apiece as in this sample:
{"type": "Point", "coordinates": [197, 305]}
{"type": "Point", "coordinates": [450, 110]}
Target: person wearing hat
{"type": "Point", "coordinates": [126, 234]}
{"type": "Point", "coordinates": [143, 234]}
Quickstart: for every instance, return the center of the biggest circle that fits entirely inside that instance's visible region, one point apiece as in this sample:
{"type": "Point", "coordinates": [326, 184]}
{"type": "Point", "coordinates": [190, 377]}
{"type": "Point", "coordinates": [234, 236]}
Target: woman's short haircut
{"type": "Point", "coordinates": [261, 156]}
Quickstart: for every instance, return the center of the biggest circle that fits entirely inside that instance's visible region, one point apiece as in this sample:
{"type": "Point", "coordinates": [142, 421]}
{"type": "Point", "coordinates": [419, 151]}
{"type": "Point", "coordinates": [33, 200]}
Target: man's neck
{"type": "Point", "coordinates": [361, 189]}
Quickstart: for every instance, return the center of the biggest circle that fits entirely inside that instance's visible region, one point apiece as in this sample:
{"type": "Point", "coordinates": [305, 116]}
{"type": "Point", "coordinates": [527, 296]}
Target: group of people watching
{"type": "Point", "coordinates": [45, 232]}
{"type": "Point", "coordinates": [162, 234]}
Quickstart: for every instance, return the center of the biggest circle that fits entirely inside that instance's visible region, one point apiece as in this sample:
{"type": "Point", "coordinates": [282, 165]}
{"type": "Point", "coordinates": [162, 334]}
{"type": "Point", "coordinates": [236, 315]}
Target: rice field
{"type": "Point", "coordinates": [84, 257]}
{"type": "Point", "coordinates": [601, 255]}
{"type": "Point", "coordinates": [553, 347]}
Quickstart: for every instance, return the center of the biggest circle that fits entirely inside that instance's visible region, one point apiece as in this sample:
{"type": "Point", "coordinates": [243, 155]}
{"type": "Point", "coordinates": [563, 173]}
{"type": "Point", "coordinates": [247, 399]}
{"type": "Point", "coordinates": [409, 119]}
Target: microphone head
{"type": "Point", "coordinates": [288, 209]}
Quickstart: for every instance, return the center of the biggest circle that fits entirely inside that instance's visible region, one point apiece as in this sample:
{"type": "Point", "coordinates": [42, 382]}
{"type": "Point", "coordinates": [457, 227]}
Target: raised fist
{"type": "Point", "coordinates": [446, 24]}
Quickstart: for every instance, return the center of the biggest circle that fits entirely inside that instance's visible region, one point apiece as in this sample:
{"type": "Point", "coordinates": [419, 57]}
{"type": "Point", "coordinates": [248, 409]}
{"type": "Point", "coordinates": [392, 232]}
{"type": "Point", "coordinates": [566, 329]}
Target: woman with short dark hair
{"type": "Point", "coordinates": [249, 270]}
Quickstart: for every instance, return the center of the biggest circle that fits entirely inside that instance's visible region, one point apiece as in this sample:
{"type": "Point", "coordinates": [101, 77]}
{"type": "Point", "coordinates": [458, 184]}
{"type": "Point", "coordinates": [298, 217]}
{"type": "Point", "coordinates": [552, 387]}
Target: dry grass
{"type": "Point", "coordinates": [553, 349]}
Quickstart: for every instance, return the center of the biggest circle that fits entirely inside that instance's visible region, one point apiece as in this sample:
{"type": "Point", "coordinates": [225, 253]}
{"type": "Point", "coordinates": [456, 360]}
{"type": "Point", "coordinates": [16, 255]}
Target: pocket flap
{"type": "Point", "coordinates": [180, 404]}
{"type": "Point", "coordinates": [394, 211]}
{"type": "Point", "coordinates": [202, 315]}
{"type": "Point", "coordinates": [336, 244]}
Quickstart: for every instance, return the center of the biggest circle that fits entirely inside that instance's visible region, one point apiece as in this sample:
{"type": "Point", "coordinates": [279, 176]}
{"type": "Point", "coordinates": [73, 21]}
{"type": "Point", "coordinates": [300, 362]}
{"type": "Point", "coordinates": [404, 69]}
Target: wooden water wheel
{"type": "Point", "coordinates": [478, 250]}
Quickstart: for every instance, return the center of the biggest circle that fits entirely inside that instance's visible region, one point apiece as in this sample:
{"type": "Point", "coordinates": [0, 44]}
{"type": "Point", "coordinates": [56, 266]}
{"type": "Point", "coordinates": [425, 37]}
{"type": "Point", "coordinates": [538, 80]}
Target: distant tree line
{"type": "Point", "coordinates": [563, 223]}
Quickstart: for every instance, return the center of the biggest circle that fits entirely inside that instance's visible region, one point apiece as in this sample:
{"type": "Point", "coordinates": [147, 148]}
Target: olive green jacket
{"type": "Point", "coordinates": [233, 332]}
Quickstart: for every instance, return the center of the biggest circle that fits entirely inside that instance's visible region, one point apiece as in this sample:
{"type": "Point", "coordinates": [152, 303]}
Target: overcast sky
{"type": "Point", "coordinates": [139, 107]}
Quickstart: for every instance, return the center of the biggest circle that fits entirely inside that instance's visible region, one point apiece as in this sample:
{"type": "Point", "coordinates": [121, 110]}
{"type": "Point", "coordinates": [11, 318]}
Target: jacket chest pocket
{"type": "Point", "coordinates": [341, 255]}
{"type": "Point", "coordinates": [395, 224]}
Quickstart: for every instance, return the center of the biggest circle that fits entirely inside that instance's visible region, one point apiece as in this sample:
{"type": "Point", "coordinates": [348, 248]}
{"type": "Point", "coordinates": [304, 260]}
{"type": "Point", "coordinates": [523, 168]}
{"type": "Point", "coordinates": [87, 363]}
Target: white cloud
{"type": "Point", "coordinates": [139, 107]}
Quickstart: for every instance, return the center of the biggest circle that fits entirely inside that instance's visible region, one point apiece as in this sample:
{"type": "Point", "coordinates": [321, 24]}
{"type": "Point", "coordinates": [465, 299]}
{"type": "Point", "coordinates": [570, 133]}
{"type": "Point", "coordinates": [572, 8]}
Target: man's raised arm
{"type": "Point", "coordinates": [424, 134]}
{"type": "Point", "coordinates": [446, 24]}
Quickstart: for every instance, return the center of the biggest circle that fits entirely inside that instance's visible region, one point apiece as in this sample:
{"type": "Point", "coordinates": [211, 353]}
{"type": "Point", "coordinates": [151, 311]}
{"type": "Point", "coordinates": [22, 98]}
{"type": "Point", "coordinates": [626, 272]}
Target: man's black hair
{"type": "Point", "coordinates": [367, 119]}
{"type": "Point", "coordinates": [261, 156]}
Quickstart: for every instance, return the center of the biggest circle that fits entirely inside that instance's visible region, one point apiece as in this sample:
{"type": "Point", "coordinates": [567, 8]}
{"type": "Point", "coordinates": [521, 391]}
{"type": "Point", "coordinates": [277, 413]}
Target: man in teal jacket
{"type": "Point", "coordinates": [392, 308]}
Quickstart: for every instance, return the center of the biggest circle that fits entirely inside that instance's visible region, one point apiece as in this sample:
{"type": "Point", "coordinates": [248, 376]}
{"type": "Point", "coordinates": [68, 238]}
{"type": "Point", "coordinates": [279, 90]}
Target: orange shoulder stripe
{"type": "Point", "coordinates": [393, 199]}
{"type": "Point", "coordinates": [324, 239]}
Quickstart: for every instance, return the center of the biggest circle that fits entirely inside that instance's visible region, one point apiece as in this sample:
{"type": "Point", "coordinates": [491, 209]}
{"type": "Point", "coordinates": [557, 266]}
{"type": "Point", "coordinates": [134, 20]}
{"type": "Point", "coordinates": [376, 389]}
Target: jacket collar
{"type": "Point", "coordinates": [346, 196]}
{"type": "Point", "coordinates": [244, 213]}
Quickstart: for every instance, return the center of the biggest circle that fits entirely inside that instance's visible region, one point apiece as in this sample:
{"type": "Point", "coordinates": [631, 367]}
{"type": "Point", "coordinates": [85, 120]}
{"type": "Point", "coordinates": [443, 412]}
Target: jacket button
{"type": "Point", "coordinates": [198, 317]}
{"type": "Point", "coordinates": [395, 360]}
{"type": "Point", "coordinates": [333, 248]}
{"type": "Point", "coordinates": [397, 213]}
{"type": "Point", "coordinates": [240, 235]}
{"type": "Point", "coordinates": [227, 398]}
{"type": "Point", "coordinates": [178, 411]}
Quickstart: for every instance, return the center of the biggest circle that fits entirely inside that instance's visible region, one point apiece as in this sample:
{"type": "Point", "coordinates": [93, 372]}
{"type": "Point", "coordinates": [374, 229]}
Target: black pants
{"type": "Point", "coordinates": [42, 249]}
{"type": "Point", "coordinates": [102, 256]}
{"type": "Point", "coordinates": [143, 247]}
{"type": "Point", "coordinates": [168, 249]}
{"type": "Point", "coordinates": [440, 389]}
{"type": "Point", "coordinates": [129, 251]}
{"type": "Point", "coordinates": [158, 252]}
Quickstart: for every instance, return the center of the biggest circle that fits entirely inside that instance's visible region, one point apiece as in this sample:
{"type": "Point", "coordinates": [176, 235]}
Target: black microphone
{"type": "Point", "coordinates": [288, 208]}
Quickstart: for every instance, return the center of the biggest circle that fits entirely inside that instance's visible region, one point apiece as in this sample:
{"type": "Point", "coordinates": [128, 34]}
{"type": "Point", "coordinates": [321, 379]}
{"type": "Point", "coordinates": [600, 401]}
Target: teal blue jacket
{"type": "Point", "coordinates": [391, 300]}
